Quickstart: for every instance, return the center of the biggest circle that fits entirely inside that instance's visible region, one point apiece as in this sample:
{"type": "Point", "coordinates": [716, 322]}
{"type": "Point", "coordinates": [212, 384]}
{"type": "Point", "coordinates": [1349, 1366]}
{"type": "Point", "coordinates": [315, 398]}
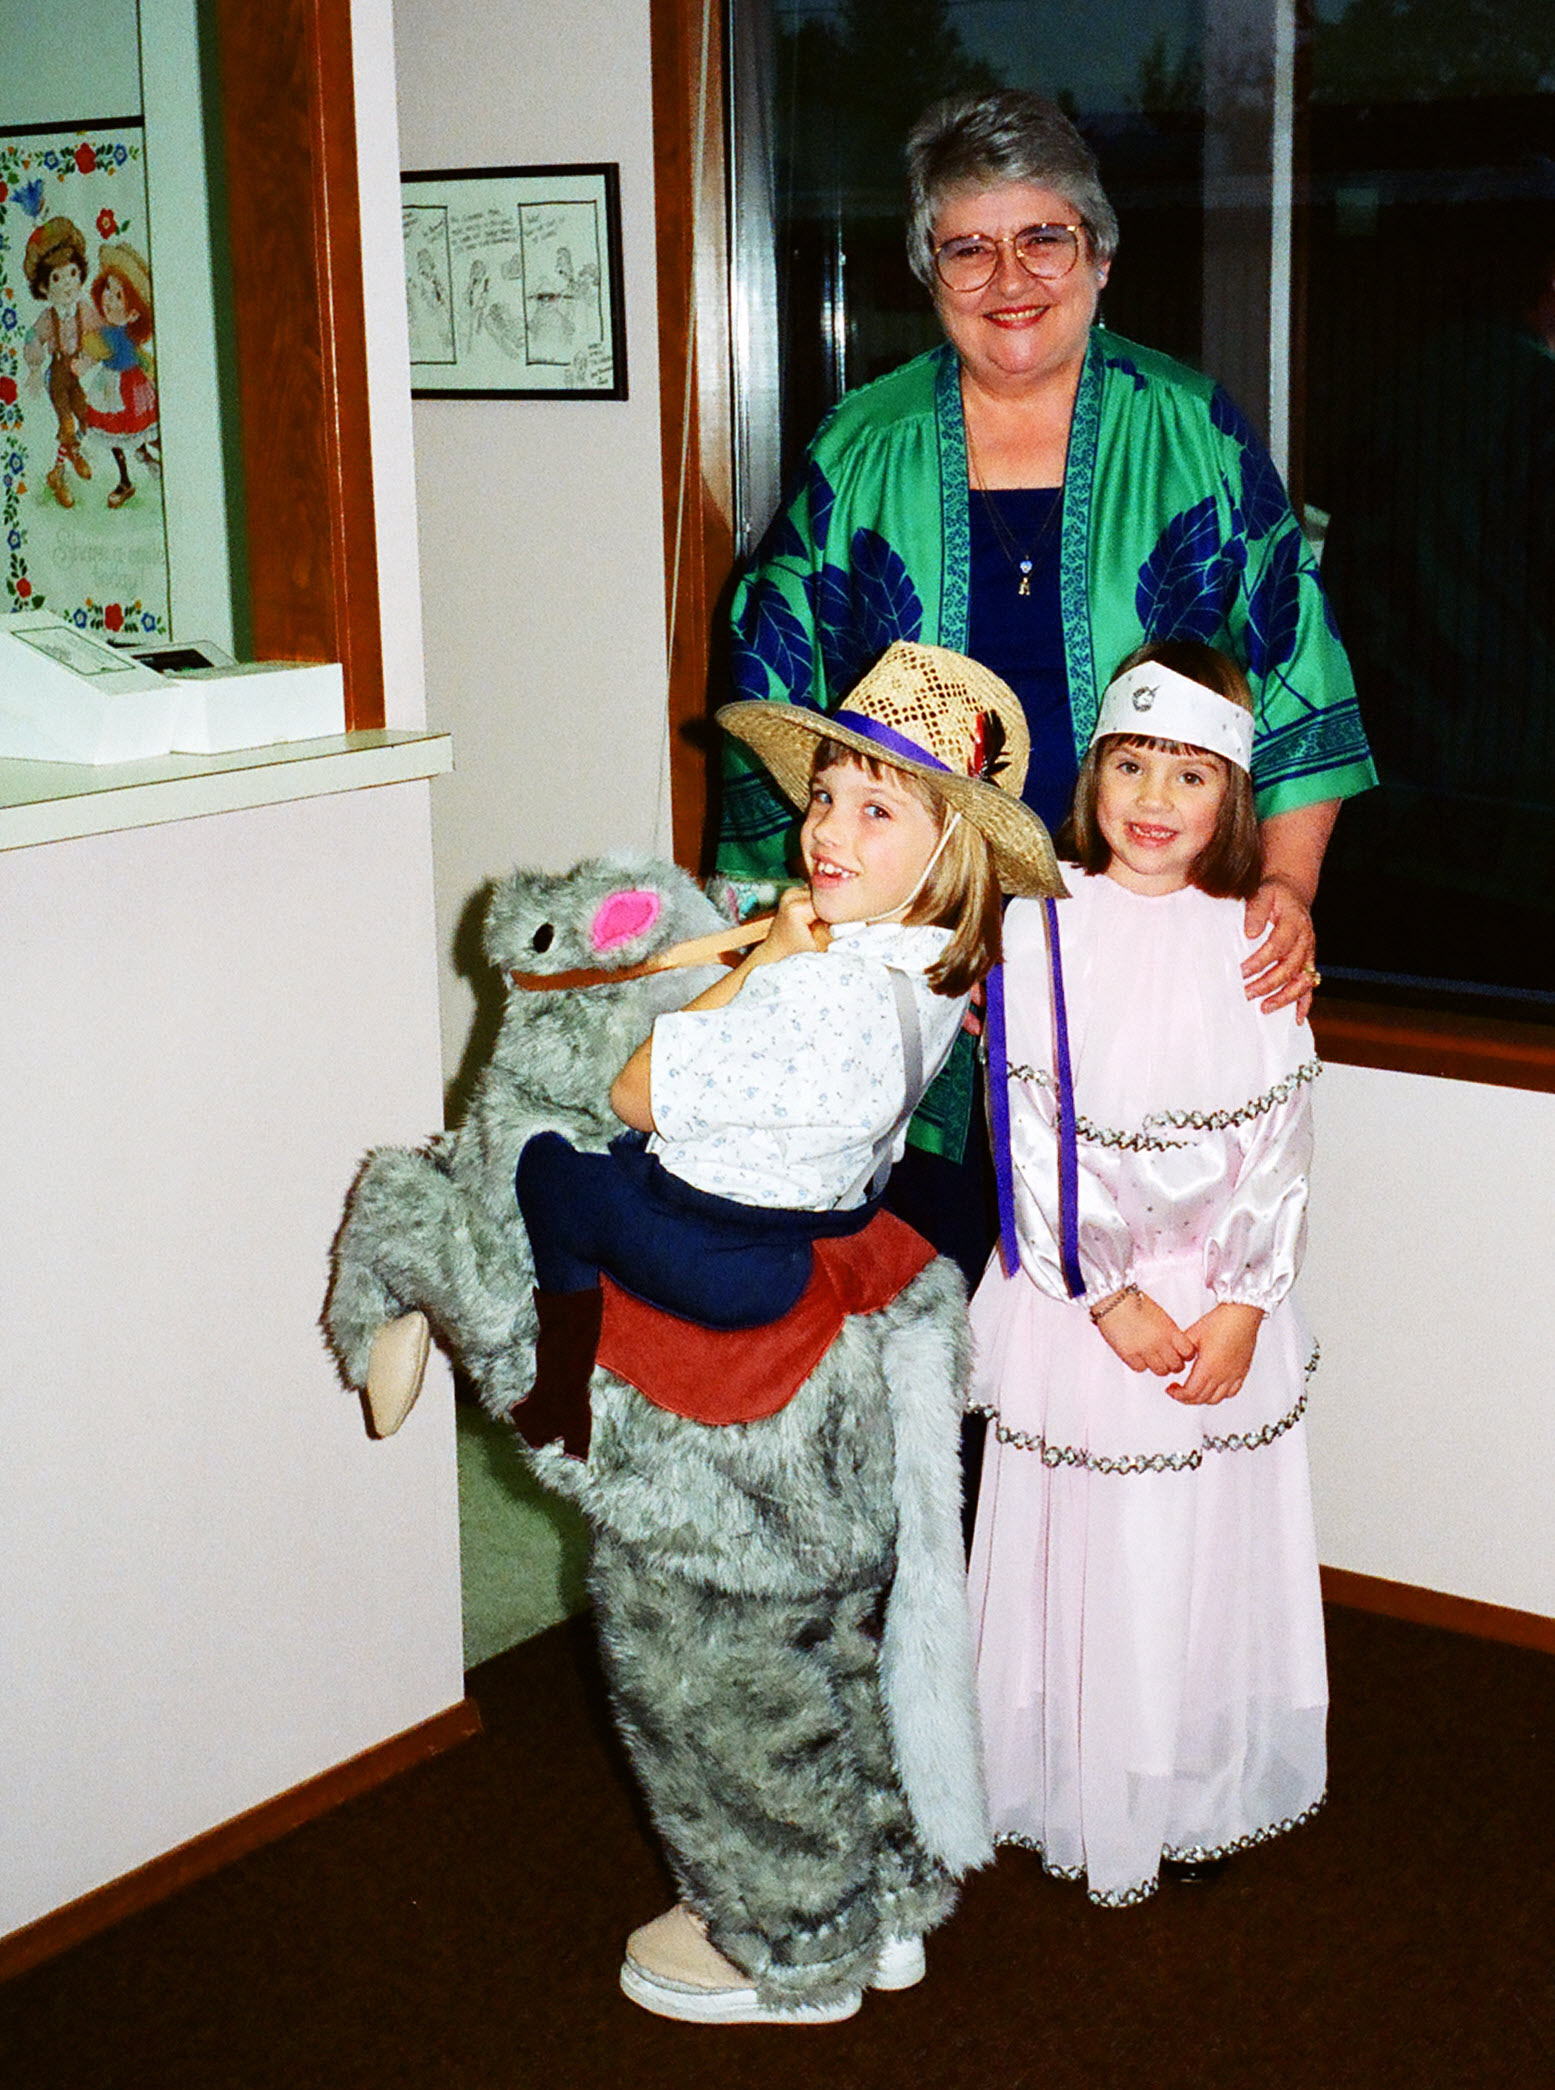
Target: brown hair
{"type": "Point", "coordinates": [1230, 863]}
{"type": "Point", "coordinates": [961, 892]}
{"type": "Point", "coordinates": [70, 246]}
{"type": "Point", "coordinates": [138, 325]}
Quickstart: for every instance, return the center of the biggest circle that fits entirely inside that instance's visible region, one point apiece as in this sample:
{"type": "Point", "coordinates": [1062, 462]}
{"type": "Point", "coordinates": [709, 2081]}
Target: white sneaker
{"type": "Point", "coordinates": [901, 1964]}
{"type": "Point", "coordinates": [396, 1366]}
{"type": "Point", "coordinates": [673, 1968]}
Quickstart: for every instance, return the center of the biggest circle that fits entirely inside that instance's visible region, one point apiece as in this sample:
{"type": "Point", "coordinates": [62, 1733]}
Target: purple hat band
{"type": "Point", "coordinates": [888, 738]}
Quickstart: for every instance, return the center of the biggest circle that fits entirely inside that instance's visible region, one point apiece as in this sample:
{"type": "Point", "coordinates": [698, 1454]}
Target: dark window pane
{"type": "Point", "coordinates": [1430, 326]}
{"type": "Point", "coordinates": [1422, 363]}
{"type": "Point", "coordinates": [852, 78]}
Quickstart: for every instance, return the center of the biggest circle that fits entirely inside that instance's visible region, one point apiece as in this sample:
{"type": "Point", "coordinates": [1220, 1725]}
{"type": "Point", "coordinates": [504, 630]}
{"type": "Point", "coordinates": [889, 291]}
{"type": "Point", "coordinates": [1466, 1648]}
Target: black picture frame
{"type": "Point", "coordinates": [513, 282]}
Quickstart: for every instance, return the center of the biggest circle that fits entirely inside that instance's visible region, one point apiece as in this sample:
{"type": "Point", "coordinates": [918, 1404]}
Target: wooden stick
{"type": "Point", "coordinates": [697, 950]}
{"type": "Point", "coordinates": [718, 943]}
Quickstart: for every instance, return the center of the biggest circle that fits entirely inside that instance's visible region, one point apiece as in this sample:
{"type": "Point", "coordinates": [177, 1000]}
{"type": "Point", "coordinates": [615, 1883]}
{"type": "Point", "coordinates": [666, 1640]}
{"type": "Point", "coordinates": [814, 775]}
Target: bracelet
{"type": "Point", "coordinates": [1129, 1291]}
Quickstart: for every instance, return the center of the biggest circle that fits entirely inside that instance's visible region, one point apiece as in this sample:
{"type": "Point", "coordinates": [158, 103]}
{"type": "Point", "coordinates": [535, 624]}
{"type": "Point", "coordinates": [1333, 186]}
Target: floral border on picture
{"type": "Point", "coordinates": [25, 172]}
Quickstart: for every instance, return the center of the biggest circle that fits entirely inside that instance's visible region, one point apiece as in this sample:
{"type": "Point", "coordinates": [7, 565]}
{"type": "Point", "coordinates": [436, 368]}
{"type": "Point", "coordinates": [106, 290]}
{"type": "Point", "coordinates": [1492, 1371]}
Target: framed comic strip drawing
{"type": "Point", "coordinates": [513, 281]}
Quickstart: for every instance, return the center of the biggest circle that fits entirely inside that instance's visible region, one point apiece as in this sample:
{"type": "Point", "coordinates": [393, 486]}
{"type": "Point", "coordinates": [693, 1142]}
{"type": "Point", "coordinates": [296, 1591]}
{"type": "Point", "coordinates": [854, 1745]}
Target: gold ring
{"type": "Point", "coordinates": [1314, 976]}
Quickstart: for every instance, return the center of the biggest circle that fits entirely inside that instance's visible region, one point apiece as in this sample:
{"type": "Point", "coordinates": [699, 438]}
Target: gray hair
{"type": "Point", "coordinates": [983, 140]}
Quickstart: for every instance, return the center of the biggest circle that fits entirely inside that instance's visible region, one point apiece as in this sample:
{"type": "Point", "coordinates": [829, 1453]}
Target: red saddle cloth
{"type": "Point", "coordinates": [739, 1375]}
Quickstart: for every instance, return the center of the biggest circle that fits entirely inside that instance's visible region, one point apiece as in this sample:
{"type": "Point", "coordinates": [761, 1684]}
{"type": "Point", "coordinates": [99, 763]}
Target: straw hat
{"type": "Point", "coordinates": [939, 716]}
{"type": "Point", "coordinates": [124, 261]}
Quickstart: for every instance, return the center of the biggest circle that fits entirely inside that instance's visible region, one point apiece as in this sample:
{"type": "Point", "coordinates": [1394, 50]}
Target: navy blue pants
{"type": "Point", "coordinates": [707, 1259]}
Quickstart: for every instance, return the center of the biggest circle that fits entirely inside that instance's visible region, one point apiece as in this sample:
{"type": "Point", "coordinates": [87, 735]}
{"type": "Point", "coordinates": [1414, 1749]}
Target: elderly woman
{"type": "Point", "coordinates": [1046, 496]}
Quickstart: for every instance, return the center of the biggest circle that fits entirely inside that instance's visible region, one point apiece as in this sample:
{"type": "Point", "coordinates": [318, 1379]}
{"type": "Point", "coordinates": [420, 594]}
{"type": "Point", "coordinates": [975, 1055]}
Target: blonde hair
{"type": "Point", "coordinates": [961, 892]}
{"type": "Point", "coordinates": [1230, 863]}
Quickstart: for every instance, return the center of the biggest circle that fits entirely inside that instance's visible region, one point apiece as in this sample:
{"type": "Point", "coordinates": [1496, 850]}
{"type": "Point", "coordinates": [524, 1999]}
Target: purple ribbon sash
{"type": "Point", "coordinates": [999, 1121]}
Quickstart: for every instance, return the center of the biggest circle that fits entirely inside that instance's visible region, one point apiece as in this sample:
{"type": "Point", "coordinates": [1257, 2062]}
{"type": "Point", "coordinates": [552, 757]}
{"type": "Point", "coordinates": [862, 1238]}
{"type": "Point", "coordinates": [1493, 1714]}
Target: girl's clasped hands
{"type": "Point", "coordinates": [1219, 1345]}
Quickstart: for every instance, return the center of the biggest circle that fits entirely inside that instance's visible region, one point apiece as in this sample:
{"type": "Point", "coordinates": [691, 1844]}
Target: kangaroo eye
{"type": "Point", "coordinates": [543, 938]}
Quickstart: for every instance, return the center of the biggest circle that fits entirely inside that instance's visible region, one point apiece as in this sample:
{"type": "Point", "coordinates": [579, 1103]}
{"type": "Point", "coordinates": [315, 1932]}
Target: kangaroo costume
{"type": "Point", "coordinates": [781, 1599]}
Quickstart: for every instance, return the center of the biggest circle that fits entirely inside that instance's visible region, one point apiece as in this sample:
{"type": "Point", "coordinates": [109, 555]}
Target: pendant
{"type": "Point", "coordinates": [1025, 578]}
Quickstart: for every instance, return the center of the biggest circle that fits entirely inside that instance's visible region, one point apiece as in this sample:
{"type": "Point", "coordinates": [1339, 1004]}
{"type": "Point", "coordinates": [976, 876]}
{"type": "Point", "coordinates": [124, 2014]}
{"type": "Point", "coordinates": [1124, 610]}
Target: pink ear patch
{"type": "Point", "coordinates": [623, 916]}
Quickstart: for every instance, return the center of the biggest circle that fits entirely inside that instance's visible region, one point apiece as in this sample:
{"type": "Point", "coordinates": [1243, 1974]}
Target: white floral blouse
{"type": "Point", "coordinates": [787, 1095]}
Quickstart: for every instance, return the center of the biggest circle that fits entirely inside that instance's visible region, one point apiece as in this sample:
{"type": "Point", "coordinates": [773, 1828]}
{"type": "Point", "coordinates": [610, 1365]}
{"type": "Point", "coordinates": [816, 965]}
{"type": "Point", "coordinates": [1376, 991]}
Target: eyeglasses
{"type": "Point", "coordinates": [1047, 252]}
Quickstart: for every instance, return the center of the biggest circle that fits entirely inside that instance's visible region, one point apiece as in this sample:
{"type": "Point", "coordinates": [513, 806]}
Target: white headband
{"type": "Point", "coordinates": [1163, 705]}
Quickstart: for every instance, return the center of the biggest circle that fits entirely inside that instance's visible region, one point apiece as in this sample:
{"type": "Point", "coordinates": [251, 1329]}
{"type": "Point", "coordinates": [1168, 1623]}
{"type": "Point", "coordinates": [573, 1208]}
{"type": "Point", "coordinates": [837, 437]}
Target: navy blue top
{"type": "Point", "coordinates": [1021, 636]}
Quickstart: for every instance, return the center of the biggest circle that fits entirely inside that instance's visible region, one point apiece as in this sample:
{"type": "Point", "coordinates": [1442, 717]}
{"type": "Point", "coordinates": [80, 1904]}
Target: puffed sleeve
{"type": "Point", "coordinates": [1254, 1249]}
{"type": "Point", "coordinates": [1106, 1247]}
{"type": "Point", "coordinates": [1105, 1244]}
{"type": "Point", "coordinates": [804, 1043]}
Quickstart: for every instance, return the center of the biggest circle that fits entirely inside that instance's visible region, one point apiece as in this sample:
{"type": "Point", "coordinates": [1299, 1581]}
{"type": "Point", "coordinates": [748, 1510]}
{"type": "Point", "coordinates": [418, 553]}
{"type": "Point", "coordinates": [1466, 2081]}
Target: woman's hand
{"type": "Point", "coordinates": [1224, 1339]}
{"type": "Point", "coordinates": [1283, 969]}
{"type": "Point", "coordinates": [1145, 1336]}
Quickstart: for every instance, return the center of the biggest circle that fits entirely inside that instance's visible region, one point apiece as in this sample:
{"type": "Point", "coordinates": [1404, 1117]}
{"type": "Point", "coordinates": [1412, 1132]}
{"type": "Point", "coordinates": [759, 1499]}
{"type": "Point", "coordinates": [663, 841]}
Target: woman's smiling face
{"type": "Point", "coordinates": [866, 842]}
{"type": "Point", "coordinates": [1017, 330]}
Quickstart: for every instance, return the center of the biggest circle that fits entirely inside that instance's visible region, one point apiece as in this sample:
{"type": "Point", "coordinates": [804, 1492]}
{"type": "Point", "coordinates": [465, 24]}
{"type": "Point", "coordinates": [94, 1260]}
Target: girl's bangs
{"type": "Point", "coordinates": [1166, 747]}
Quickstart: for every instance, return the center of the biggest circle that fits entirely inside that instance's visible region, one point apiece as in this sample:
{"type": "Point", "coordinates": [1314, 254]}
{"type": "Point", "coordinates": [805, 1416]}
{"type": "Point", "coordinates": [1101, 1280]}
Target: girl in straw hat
{"type": "Point", "coordinates": [766, 1114]}
{"type": "Point", "coordinates": [1144, 1572]}
{"type": "Point", "coordinates": [781, 1603]}
{"type": "Point", "coordinates": [127, 412]}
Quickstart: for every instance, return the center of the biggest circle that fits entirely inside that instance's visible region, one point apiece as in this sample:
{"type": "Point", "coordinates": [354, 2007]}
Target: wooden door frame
{"type": "Point", "coordinates": [695, 397]}
{"type": "Point", "coordinates": [293, 217]}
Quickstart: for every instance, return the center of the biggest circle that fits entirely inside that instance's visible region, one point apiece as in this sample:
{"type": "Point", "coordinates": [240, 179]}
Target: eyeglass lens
{"type": "Point", "coordinates": [1046, 251]}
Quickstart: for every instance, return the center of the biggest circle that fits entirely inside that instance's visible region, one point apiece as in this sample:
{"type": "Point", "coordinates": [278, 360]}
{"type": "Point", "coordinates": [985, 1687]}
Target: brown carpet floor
{"type": "Point", "coordinates": [461, 1928]}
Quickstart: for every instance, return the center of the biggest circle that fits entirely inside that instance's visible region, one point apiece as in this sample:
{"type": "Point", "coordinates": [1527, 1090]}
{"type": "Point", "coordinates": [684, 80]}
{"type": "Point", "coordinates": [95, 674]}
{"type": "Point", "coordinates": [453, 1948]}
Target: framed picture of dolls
{"type": "Point", "coordinates": [80, 439]}
{"type": "Point", "coordinates": [513, 282]}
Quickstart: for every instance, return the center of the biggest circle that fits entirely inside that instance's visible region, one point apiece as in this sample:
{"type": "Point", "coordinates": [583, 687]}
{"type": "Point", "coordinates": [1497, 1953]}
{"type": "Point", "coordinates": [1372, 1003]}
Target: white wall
{"type": "Point", "coordinates": [541, 530]}
{"type": "Point", "coordinates": [1428, 1284]}
{"type": "Point", "coordinates": [215, 1584]}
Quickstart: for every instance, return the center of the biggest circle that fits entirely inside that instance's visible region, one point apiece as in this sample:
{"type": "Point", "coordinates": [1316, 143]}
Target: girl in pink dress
{"type": "Point", "coordinates": [1144, 1580]}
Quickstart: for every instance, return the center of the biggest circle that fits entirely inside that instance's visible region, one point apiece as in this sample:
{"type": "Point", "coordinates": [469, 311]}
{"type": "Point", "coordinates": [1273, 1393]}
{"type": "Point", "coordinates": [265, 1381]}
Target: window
{"type": "Point", "coordinates": [1346, 215]}
{"type": "Point", "coordinates": [1429, 459]}
{"type": "Point", "coordinates": [304, 559]}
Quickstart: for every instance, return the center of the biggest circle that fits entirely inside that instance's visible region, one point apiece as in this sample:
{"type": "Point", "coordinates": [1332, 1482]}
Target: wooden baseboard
{"type": "Point", "coordinates": [107, 1905]}
{"type": "Point", "coordinates": [1431, 1607]}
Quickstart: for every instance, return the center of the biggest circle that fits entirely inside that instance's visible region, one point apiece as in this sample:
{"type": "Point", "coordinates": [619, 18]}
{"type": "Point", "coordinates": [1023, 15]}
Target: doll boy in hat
{"type": "Point", "coordinates": [55, 267]}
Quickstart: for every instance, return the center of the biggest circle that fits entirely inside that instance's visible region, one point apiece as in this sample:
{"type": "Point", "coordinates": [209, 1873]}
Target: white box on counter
{"type": "Point", "coordinates": [68, 696]}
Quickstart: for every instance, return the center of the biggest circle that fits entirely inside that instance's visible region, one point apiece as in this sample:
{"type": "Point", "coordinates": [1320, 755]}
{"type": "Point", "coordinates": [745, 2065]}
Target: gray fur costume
{"type": "Point", "coordinates": [440, 1230]}
{"type": "Point", "coordinates": [781, 1603]}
